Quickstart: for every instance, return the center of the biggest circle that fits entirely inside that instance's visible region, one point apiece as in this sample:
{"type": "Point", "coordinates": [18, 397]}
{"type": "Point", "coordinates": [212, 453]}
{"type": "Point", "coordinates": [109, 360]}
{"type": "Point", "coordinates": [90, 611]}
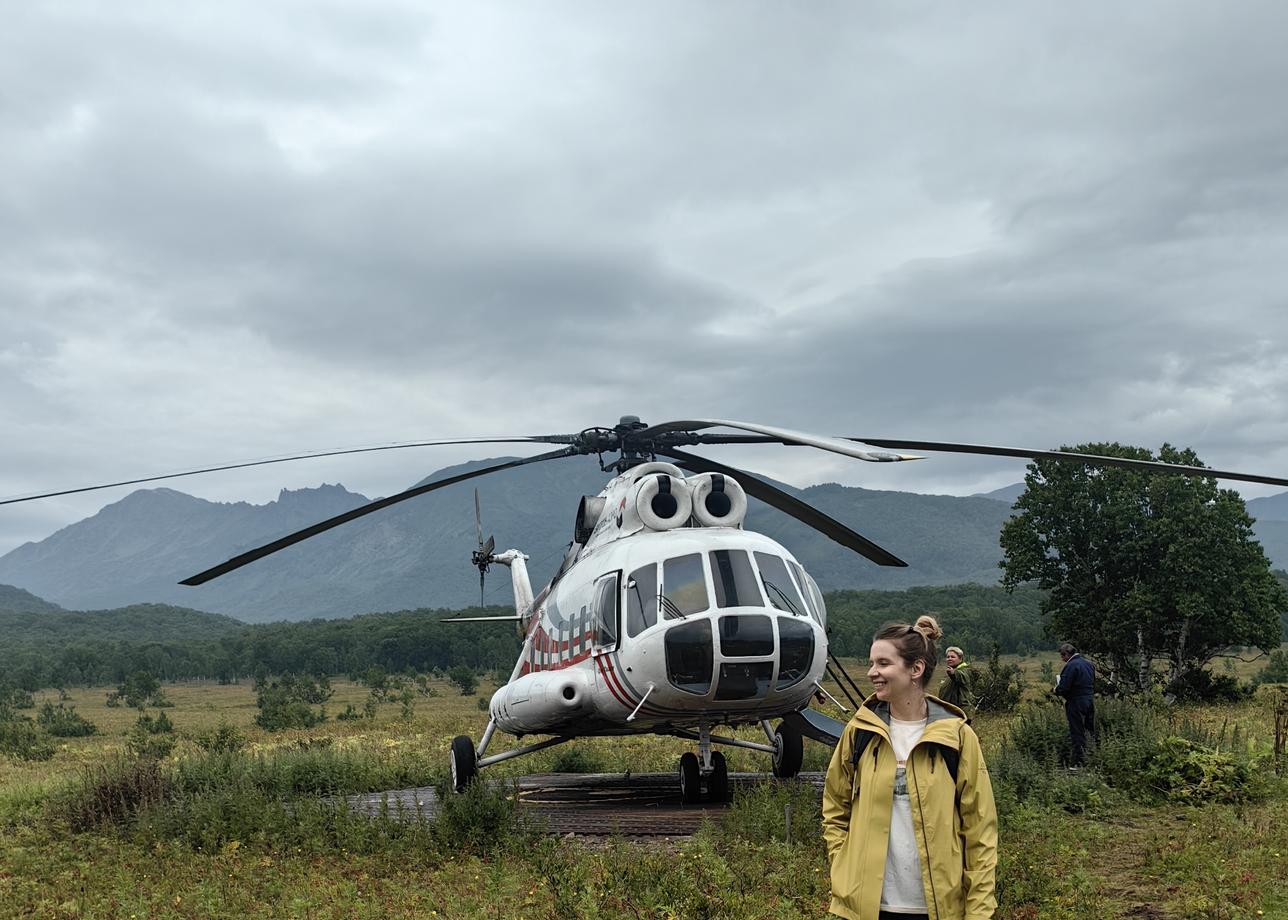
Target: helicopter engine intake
{"type": "Point", "coordinates": [718, 500]}
{"type": "Point", "coordinates": [663, 502]}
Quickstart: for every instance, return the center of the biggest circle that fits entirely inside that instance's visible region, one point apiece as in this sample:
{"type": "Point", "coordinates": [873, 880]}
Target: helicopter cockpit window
{"type": "Point", "coordinates": [606, 592]}
{"type": "Point", "coordinates": [796, 651]}
{"type": "Point", "coordinates": [779, 587]}
{"type": "Point", "coordinates": [735, 580]}
{"type": "Point", "coordinates": [684, 587]}
{"type": "Point", "coordinates": [641, 600]}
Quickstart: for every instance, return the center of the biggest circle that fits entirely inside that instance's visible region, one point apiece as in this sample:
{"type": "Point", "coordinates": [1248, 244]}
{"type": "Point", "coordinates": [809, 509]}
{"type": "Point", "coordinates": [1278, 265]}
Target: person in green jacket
{"type": "Point", "coordinates": [958, 679]}
{"type": "Point", "coordinates": [908, 812]}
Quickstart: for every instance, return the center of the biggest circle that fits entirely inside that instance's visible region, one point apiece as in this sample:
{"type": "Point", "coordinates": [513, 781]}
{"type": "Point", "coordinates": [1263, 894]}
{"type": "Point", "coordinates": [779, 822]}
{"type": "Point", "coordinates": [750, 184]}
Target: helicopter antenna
{"type": "Point", "coordinates": [483, 555]}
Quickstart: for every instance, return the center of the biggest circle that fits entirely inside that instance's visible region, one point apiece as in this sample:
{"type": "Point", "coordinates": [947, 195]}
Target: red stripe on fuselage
{"type": "Point", "coordinates": [611, 684]}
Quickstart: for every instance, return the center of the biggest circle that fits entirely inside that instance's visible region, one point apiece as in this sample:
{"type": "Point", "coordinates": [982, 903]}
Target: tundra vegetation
{"type": "Point", "coordinates": [1180, 813]}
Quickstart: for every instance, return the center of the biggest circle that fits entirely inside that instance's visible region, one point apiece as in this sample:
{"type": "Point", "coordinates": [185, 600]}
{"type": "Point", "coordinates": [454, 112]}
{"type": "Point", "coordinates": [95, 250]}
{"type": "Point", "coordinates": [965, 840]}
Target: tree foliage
{"type": "Point", "coordinates": [1142, 567]}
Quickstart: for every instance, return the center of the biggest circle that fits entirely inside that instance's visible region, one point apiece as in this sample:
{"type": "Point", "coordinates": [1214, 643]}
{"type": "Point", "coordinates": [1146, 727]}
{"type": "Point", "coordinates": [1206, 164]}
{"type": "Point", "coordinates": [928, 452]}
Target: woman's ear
{"type": "Point", "coordinates": [918, 668]}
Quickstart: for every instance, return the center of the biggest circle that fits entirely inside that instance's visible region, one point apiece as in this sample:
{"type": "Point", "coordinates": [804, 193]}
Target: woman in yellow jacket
{"type": "Point", "coordinates": [908, 811]}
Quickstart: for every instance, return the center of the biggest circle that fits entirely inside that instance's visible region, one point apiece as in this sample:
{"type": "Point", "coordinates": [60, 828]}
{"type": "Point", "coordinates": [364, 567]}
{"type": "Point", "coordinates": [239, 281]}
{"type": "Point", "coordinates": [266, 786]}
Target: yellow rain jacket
{"type": "Point", "coordinates": [956, 828]}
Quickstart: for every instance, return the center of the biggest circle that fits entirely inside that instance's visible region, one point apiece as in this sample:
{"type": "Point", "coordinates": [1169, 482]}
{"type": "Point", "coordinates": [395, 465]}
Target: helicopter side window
{"type": "Point", "coordinates": [819, 606]}
{"type": "Point", "coordinates": [803, 584]}
{"type": "Point", "coordinates": [641, 600]}
{"type": "Point", "coordinates": [684, 586]}
{"type": "Point", "coordinates": [735, 580]}
{"type": "Point", "coordinates": [779, 587]}
{"type": "Point", "coordinates": [606, 595]}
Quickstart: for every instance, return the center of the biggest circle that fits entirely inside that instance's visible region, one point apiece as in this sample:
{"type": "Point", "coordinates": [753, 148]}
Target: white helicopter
{"type": "Point", "coordinates": [666, 616]}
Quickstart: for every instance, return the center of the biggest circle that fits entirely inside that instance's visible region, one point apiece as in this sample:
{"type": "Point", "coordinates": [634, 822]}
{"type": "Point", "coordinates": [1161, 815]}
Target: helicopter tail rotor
{"type": "Point", "coordinates": [482, 557]}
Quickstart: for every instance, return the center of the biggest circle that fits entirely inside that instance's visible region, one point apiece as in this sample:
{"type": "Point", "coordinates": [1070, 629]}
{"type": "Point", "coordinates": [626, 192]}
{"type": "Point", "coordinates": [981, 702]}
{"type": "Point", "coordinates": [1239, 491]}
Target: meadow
{"type": "Point", "coordinates": [269, 843]}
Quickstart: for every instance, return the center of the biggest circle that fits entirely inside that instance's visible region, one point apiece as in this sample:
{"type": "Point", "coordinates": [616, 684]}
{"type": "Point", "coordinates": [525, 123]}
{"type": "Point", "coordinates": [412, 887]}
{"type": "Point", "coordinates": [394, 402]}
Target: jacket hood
{"type": "Point", "coordinates": [943, 719]}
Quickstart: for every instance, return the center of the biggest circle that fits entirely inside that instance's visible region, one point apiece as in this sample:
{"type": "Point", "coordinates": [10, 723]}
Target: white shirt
{"type": "Point", "coordinates": [901, 888]}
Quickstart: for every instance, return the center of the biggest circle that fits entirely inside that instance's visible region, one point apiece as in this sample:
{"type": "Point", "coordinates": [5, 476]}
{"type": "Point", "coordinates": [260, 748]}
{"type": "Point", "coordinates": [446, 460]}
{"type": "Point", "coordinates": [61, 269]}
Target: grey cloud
{"type": "Point", "coordinates": [944, 222]}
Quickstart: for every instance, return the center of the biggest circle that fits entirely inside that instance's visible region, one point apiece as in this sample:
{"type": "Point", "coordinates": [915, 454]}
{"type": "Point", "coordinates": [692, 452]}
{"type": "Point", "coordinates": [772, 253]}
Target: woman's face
{"type": "Point", "coordinates": [953, 659]}
{"type": "Point", "coordinates": [891, 678]}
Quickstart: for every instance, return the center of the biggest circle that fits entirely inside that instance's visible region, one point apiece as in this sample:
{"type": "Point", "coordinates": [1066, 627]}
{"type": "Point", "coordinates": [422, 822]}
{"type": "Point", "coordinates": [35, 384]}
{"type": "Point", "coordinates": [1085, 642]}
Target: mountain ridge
{"type": "Point", "coordinates": [416, 554]}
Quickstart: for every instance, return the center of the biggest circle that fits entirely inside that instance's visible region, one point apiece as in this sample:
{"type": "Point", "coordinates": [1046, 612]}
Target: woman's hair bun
{"type": "Point", "coordinates": [928, 626]}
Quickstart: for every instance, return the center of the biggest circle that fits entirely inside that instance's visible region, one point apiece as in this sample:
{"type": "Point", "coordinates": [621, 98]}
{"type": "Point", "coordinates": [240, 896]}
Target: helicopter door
{"type": "Point", "coordinates": [607, 593]}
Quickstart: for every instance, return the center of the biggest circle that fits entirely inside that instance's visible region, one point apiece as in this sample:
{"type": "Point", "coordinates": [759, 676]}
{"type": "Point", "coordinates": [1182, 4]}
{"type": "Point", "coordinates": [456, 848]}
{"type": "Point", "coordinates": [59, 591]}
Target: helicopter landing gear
{"type": "Point", "coordinates": [718, 781]}
{"type": "Point", "coordinates": [789, 750]}
{"type": "Point", "coordinates": [464, 762]}
{"type": "Point", "coordinates": [690, 778]}
{"type": "Point", "coordinates": [707, 765]}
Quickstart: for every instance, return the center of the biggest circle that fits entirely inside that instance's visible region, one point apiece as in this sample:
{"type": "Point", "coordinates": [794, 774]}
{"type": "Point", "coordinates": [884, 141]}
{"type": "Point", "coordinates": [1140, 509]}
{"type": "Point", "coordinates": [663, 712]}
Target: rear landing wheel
{"type": "Point", "coordinates": [464, 762]}
{"type": "Point", "coordinates": [790, 750]}
{"type": "Point", "coordinates": [690, 778]}
{"type": "Point", "coordinates": [718, 781]}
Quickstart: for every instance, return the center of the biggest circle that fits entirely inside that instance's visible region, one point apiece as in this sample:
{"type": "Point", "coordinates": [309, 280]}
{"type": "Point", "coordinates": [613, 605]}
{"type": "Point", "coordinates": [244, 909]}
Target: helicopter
{"type": "Point", "coordinates": [667, 616]}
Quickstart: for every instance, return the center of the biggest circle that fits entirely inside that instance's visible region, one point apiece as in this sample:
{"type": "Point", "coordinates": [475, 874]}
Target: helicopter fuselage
{"type": "Point", "coordinates": [669, 617]}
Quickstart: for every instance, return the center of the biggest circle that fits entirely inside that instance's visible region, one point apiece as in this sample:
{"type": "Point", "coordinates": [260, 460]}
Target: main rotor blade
{"type": "Point", "coordinates": [291, 539]}
{"type": "Point", "coordinates": [792, 506]}
{"type": "Point", "coordinates": [402, 445]}
{"type": "Point", "coordinates": [1071, 456]}
{"type": "Point", "coordinates": [478, 518]}
{"type": "Point", "coordinates": [782, 435]}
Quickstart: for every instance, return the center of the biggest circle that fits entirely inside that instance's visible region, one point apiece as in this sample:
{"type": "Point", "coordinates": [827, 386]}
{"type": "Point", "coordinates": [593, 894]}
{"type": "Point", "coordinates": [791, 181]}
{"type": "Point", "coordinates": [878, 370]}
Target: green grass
{"type": "Point", "coordinates": [253, 834]}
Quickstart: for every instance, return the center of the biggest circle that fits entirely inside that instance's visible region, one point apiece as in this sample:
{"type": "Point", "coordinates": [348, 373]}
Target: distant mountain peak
{"type": "Point", "coordinates": [309, 494]}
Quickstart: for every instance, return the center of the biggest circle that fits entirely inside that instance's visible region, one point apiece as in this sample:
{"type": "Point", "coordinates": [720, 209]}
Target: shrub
{"type": "Point", "coordinates": [1202, 686]}
{"type": "Point", "coordinates": [350, 714]}
{"type": "Point", "coordinates": [1140, 750]}
{"type": "Point", "coordinates": [1021, 780]}
{"type": "Point", "coordinates": [12, 698]}
{"type": "Point", "coordinates": [138, 690]}
{"type": "Point", "coordinates": [145, 745]}
{"type": "Point", "coordinates": [286, 702]}
{"type": "Point", "coordinates": [481, 820]}
{"type": "Point", "coordinates": [464, 678]}
{"type": "Point", "coordinates": [161, 725]}
{"type": "Point", "coordinates": [114, 793]}
{"type": "Point", "coordinates": [759, 814]}
{"type": "Point", "coordinates": [1276, 669]}
{"type": "Point", "coordinates": [223, 739]}
{"type": "Point", "coordinates": [63, 721]}
{"type": "Point", "coordinates": [998, 687]}
{"type": "Point", "coordinates": [1183, 770]}
{"type": "Point", "coordinates": [22, 739]}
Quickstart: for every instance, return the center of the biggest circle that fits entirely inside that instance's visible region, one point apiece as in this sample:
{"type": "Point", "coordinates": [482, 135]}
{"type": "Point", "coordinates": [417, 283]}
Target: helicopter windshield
{"type": "Point", "coordinates": [641, 599]}
{"type": "Point", "coordinates": [779, 587]}
{"type": "Point", "coordinates": [684, 586]}
{"type": "Point", "coordinates": [735, 580]}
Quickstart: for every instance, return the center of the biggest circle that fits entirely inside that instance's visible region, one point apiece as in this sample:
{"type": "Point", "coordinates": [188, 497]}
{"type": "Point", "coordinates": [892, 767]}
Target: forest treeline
{"type": "Point", "coordinates": [76, 648]}
{"type": "Point", "coordinates": [73, 648]}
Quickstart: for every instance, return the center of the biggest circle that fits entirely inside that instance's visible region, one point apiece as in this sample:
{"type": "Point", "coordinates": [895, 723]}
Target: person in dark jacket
{"type": "Point", "coordinates": [1075, 683]}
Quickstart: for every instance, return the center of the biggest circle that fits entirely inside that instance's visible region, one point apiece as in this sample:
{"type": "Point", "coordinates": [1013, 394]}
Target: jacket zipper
{"type": "Point", "coordinates": [925, 843]}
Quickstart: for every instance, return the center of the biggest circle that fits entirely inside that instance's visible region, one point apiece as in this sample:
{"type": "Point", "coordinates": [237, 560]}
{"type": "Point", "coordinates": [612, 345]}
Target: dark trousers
{"type": "Point", "coordinates": [1081, 714]}
{"type": "Point", "coordinates": [887, 915]}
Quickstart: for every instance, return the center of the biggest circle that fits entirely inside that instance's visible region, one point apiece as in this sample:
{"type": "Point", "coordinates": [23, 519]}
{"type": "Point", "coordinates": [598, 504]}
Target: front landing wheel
{"type": "Point", "coordinates": [464, 762]}
{"type": "Point", "coordinates": [790, 750]}
{"type": "Point", "coordinates": [690, 778]}
{"type": "Point", "coordinates": [718, 781]}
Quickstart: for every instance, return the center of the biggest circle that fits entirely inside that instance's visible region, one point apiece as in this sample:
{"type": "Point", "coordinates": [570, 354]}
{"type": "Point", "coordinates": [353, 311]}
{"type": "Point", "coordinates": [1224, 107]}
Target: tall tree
{"type": "Point", "coordinates": [1142, 567]}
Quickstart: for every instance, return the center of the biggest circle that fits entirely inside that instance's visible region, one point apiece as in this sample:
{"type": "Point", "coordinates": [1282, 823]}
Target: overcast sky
{"type": "Point", "coordinates": [241, 229]}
